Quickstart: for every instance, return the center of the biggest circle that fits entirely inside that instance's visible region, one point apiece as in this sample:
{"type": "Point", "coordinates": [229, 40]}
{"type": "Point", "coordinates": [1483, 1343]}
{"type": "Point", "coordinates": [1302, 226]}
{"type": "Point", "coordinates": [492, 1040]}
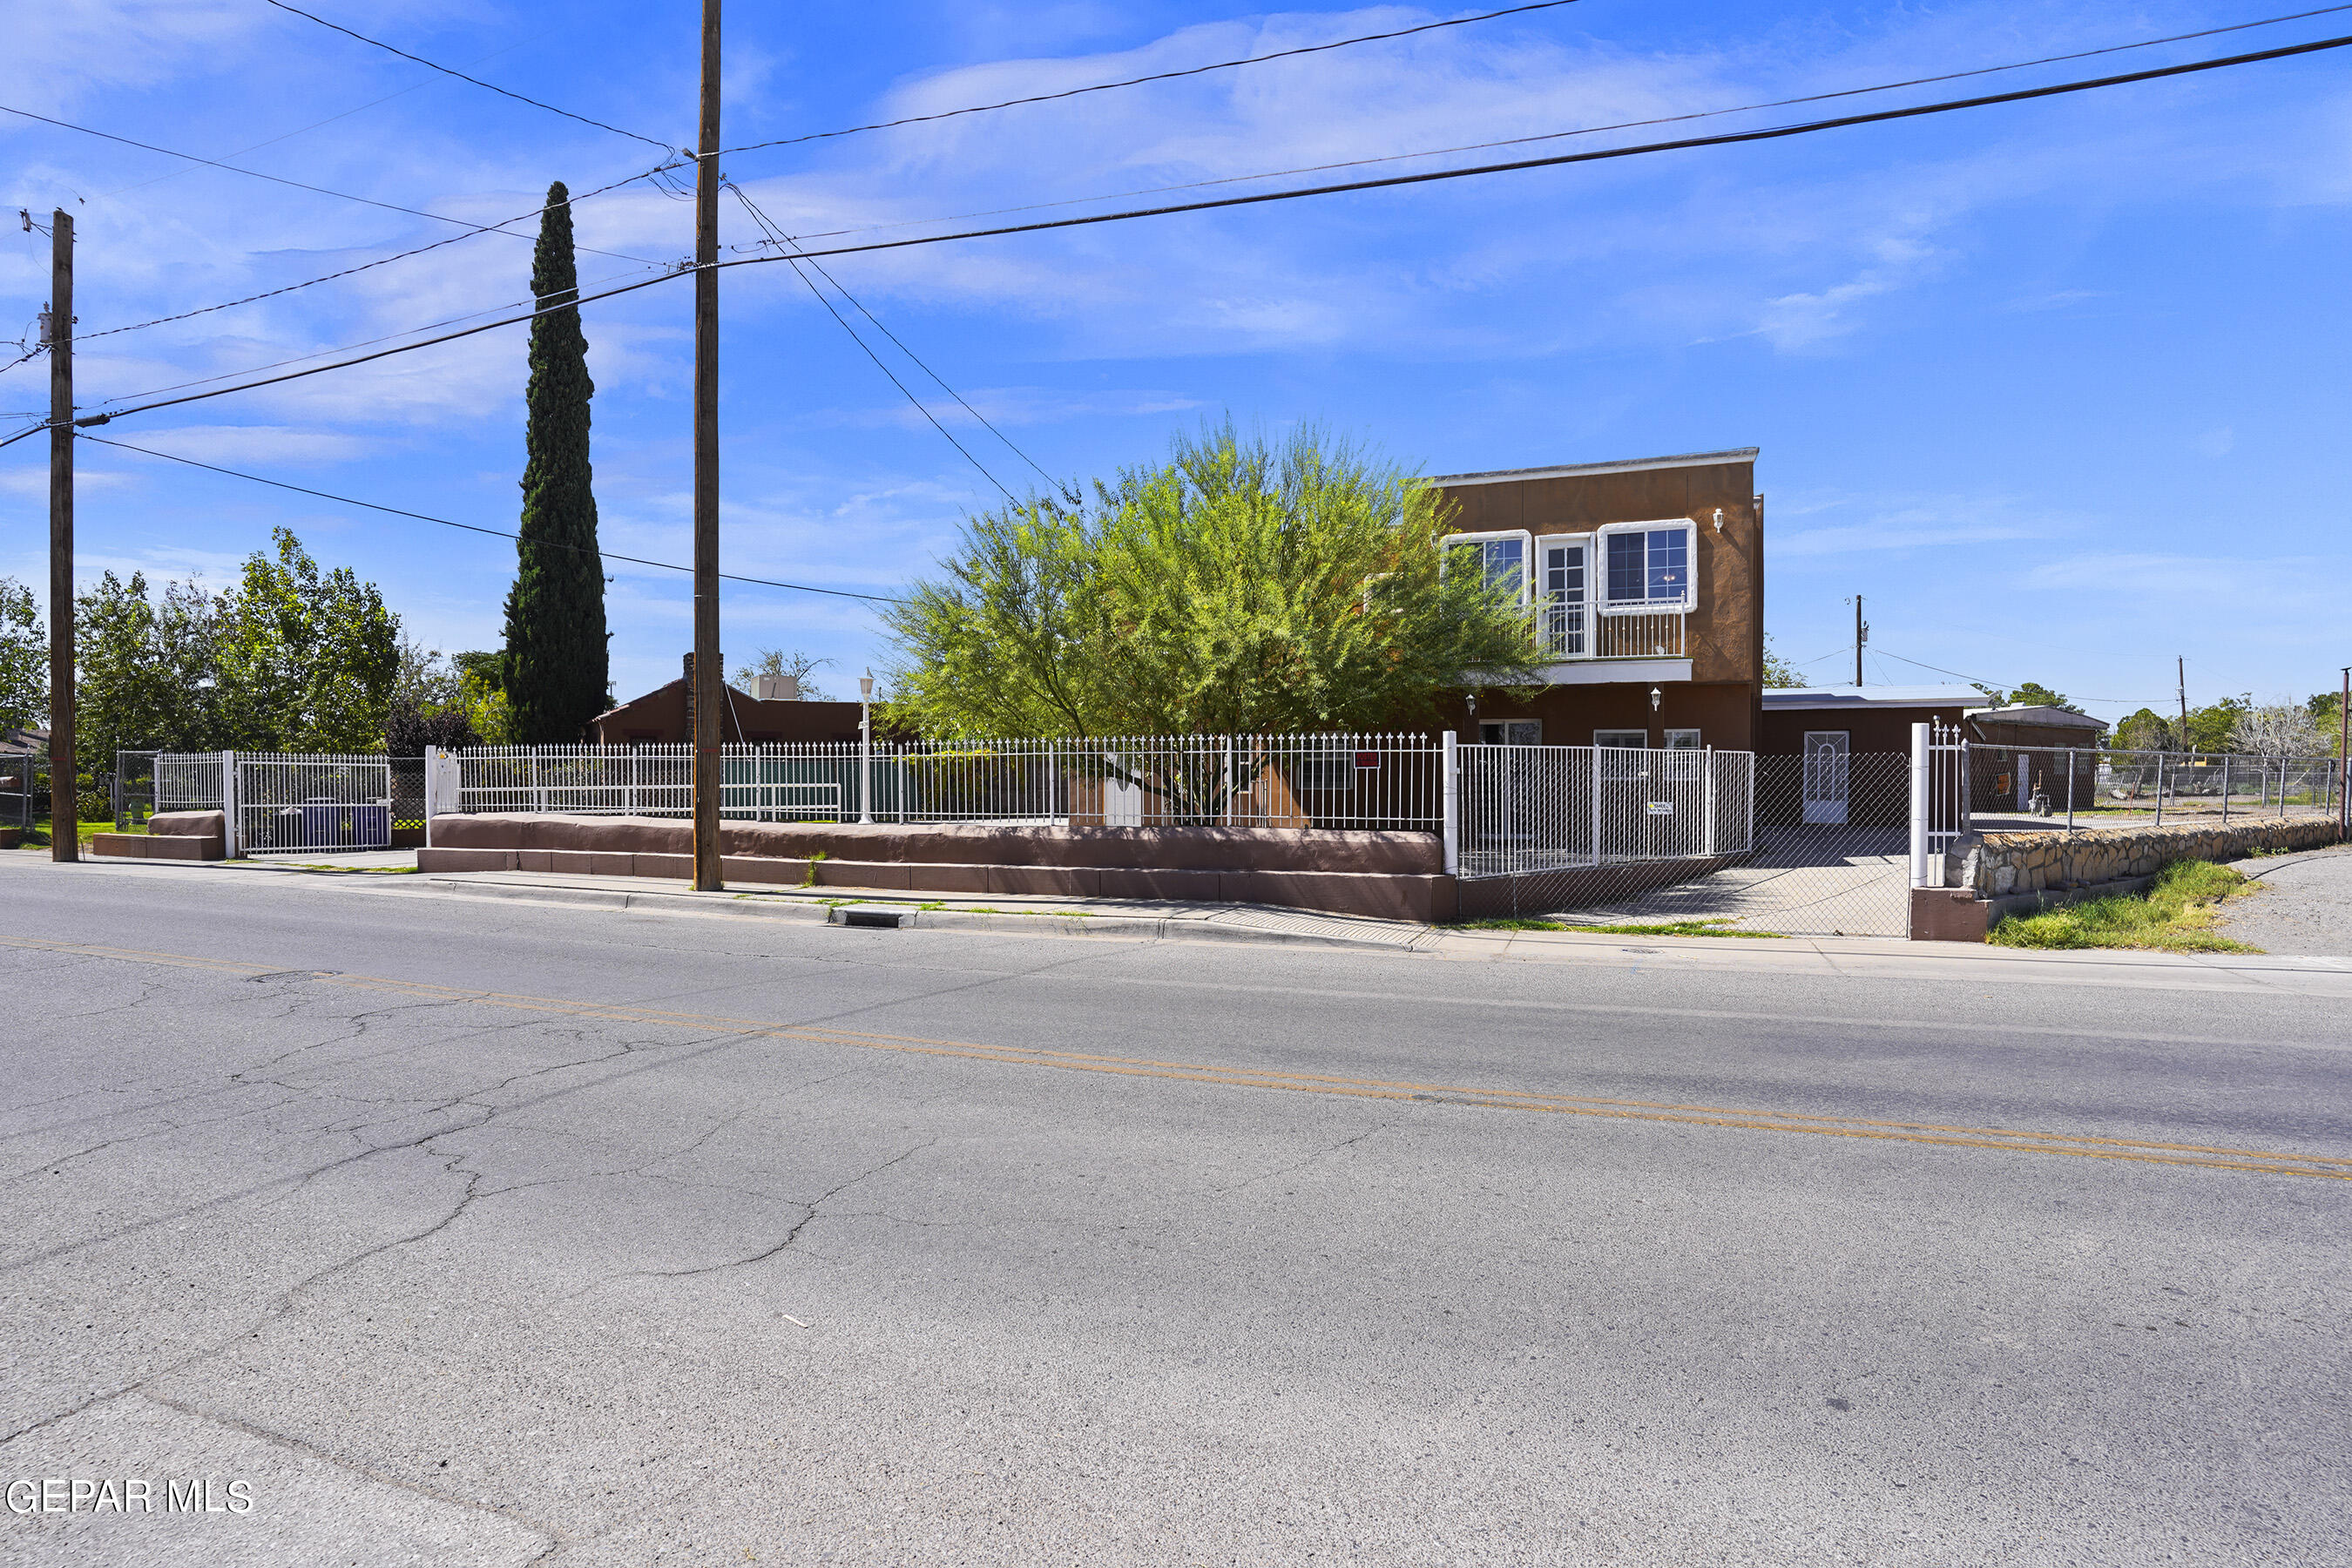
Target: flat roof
{"type": "Point", "coordinates": [2040, 713]}
{"type": "Point", "coordinates": [1873, 697]}
{"type": "Point", "coordinates": [1622, 465]}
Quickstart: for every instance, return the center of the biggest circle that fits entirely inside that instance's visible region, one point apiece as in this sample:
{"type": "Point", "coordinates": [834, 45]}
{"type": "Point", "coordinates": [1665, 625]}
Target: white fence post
{"type": "Point", "coordinates": [1450, 812]}
{"type": "Point", "coordinates": [432, 790]}
{"type": "Point", "coordinates": [1706, 801]}
{"type": "Point", "coordinates": [1920, 742]}
{"type": "Point", "coordinates": [230, 846]}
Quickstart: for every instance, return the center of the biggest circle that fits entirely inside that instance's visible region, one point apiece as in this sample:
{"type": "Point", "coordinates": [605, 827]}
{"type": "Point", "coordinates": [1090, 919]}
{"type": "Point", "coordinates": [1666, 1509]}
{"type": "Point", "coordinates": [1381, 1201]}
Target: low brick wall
{"type": "Point", "coordinates": [170, 836]}
{"type": "Point", "coordinates": [2000, 865]}
{"type": "Point", "coordinates": [1388, 876]}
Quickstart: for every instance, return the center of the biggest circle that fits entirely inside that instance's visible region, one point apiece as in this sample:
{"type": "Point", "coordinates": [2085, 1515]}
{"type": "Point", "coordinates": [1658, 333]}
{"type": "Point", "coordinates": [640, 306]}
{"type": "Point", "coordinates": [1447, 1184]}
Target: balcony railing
{"type": "Point", "coordinates": [1577, 631]}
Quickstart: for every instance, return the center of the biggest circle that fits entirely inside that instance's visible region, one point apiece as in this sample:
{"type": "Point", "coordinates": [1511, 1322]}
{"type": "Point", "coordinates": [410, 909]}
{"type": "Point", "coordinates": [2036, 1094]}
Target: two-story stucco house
{"type": "Point", "coordinates": [1646, 580]}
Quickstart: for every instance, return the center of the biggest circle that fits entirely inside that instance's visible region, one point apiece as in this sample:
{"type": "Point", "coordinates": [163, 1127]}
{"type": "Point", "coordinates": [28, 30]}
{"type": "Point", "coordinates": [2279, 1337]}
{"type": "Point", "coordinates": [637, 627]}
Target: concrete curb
{"type": "Point", "coordinates": [761, 906]}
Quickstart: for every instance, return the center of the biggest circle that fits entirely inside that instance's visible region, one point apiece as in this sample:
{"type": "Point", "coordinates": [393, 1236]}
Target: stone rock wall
{"type": "Point", "coordinates": [1997, 865]}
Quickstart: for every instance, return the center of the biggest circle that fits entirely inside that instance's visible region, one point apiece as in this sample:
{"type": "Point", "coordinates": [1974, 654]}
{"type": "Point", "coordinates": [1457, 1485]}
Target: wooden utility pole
{"type": "Point", "coordinates": [708, 672]}
{"type": "Point", "coordinates": [2344, 753]}
{"type": "Point", "coordinates": [2181, 675]}
{"type": "Point", "coordinates": [1861, 633]}
{"type": "Point", "coordinates": [65, 842]}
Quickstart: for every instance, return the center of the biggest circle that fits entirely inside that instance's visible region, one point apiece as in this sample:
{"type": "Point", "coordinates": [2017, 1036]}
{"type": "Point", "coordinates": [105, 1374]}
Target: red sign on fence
{"type": "Point", "coordinates": [1367, 759]}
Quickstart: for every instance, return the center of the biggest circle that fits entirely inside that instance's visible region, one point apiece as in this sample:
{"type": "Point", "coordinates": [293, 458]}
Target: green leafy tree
{"type": "Point", "coordinates": [146, 670]}
{"type": "Point", "coordinates": [1239, 587]}
{"type": "Point", "coordinates": [2032, 694]}
{"type": "Point", "coordinates": [482, 694]}
{"type": "Point", "coordinates": [2327, 710]}
{"type": "Point", "coordinates": [427, 706]}
{"type": "Point", "coordinates": [24, 660]}
{"type": "Point", "coordinates": [1779, 673]}
{"type": "Point", "coordinates": [2145, 731]}
{"type": "Point", "coordinates": [2213, 727]}
{"type": "Point", "coordinates": [306, 662]}
{"type": "Point", "coordinates": [557, 660]}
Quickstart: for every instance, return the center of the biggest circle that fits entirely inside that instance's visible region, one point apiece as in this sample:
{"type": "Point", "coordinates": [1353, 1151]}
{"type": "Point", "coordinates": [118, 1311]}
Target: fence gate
{"type": "Point", "coordinates": [312, 803]}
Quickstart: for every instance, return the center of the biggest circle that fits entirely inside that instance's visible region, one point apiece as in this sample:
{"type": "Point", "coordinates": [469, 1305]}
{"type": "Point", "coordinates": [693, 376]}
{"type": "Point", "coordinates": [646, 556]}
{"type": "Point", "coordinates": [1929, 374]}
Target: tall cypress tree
{"type": "Point", "coordinates": [556, 659]}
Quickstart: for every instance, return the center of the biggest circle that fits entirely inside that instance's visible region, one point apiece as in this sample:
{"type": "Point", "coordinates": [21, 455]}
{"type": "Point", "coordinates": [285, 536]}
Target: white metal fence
{"type": "Point", "coordinates": [1338, 781]}
{"type": "Point", "coordinates": [281, 803]}
{"type": "Point", "coordinates": [1525, 809]}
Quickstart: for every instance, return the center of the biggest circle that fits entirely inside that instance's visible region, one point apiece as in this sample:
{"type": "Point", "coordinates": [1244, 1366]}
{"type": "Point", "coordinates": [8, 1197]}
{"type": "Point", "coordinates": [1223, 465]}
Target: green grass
{"type": "Point", "coordinates": [2174, 915]}
{"type": "Point", "coordinates": [1672, 928]}
{"type": "Point", "coordinates": [36, 837]}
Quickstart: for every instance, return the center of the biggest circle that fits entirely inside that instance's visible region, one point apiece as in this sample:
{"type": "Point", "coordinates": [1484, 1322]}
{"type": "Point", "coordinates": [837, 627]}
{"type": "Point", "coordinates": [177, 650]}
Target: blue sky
{"type": "Point", "coordinates": [2057, 386]}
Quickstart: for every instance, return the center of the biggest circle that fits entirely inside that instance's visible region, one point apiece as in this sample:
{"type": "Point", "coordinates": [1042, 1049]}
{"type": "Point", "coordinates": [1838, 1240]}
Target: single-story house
{"type": "Point", "coordinates": [659, 717]}
{"type": "Point", "coordinates": [2021, 751]}
{"type": "Point", "coordinates": [1840, 755]}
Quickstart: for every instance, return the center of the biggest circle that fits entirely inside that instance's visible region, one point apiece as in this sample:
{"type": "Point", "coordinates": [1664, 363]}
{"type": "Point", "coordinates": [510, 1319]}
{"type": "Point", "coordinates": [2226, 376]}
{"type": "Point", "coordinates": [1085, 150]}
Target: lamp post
{"type": "Point", "coordinates": [866, 746]}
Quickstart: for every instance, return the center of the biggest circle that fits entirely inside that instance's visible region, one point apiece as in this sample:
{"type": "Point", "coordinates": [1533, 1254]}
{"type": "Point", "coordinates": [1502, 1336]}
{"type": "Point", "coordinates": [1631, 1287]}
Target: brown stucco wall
{"type": "Point", "coordinates": [1724, 714]}
{"type": "Point", "coordinates": [1726, 627]}
{"type": "Point", "coordinates": [1161, 848]}
{"type": "Point", "coordinates": [1781, 732]}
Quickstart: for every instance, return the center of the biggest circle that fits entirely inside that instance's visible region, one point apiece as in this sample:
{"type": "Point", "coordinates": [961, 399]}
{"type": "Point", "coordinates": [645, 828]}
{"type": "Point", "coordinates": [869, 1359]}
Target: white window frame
{"type": "Point", "coordinates": [1639, 744]}
{"type": "Point", "coordinates": [1689, 741]}
{"type": "Point", "coordinates": [1621, 767]}
{"type": "Point", "coordinates": [1449, 542]}
{"type": "Point", "coordinates": [1534, 726]}
{"type": "Point", "coordinates": [1598, 573]}
{"type": "Point", "coordinates": [1542, 596]}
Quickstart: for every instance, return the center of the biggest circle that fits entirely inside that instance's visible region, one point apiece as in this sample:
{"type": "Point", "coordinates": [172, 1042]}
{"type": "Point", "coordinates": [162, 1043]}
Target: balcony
{"type": "Point", "coordinates": [1577, 632]}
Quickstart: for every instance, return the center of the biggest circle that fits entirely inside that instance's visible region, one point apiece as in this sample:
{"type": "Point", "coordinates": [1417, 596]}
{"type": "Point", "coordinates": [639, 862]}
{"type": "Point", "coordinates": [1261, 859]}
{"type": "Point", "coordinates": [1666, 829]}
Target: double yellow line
{"type": "Point", "coordinates": [2324, 1167]}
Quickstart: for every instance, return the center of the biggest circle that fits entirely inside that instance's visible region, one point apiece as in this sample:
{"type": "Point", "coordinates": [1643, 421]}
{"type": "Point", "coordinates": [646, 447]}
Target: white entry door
{"type": "Point", "coordinates": [1826, 753]}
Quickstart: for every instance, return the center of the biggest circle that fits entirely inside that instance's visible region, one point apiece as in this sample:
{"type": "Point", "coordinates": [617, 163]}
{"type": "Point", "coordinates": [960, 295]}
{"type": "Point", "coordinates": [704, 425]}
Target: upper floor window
{"type": "Point", "coordinates": [1646, 566]}
{"type": "Point", "coordinates": [1499, 557]}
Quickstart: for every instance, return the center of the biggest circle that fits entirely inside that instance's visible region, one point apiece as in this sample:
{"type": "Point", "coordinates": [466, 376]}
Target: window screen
{"type": "Point", "coordinates": [1650, 566]}
{"type": "Point", "coordinates": [1500, 560]}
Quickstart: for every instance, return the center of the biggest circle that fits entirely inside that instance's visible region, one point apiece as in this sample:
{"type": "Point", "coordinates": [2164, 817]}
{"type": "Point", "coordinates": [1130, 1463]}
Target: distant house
{"type": "Point", "coordinates": [2021, 751]}
{"type": "Point", "coordinates": [1644, 576]}
{"type": "Point", "coordinates": [659, 717]}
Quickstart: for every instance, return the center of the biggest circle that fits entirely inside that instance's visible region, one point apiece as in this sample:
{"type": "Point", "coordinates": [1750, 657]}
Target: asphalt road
{"type": "Point", "coordinates": [462, 1231]}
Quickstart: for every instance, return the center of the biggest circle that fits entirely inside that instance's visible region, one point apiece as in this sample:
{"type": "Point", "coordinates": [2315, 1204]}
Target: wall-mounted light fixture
{"type": "Point", "coordinates": [1718, 520]}
{"type": "Point", "coordinates": [1656, 696]}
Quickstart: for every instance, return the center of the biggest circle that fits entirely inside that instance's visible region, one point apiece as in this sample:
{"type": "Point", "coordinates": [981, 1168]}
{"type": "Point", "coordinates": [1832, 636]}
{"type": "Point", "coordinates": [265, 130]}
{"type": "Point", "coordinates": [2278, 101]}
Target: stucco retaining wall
{"type": "Point", "coordinates": [1388, 876]}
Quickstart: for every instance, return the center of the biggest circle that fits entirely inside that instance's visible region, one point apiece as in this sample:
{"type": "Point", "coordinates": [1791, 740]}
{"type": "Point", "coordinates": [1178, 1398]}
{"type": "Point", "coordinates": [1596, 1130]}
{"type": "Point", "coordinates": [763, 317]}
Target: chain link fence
{"type": "Point", "coordinates": [2020, 788]}
{"type": "Point", "coordinates": [1828, 857]}
{"type": "Point", "coordinates": [24, 788]}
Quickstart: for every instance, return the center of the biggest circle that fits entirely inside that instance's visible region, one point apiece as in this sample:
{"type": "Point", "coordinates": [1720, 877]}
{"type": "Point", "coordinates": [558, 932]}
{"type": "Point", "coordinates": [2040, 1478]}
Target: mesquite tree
{"type": "Point", "coordinates": [556, 666]}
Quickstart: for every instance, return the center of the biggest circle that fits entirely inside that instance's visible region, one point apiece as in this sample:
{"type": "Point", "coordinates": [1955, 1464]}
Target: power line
{"type": "Point", "coordinates": [473, 528]}
{"type": "Point", "coordinates": [1553, 161]}
{"type": "Point", "coordinates": [1587, 131]}
{"type": "Point", "coordinates": [346, 114]}
{"type": "Point", "coordinates": [1139, 81]}
{"type": "Point", "coordinates": [499, 227]}
{"type": "Point", "coordinates": [885, 370]}
{"type": "Point", "coordinates": [344, 348]}
{"type": "Point", "coordinates": [777, 236]}
{"type": "Point", "coordinates": [477, 81]}
{"type": "Point", "coordinates": [281, 180]}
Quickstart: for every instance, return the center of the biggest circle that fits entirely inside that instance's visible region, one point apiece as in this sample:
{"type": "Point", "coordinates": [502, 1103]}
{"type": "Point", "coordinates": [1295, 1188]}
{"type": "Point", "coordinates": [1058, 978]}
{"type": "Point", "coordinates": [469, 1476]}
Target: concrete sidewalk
{"type": "Point", "coordinates": [1106, 918]}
